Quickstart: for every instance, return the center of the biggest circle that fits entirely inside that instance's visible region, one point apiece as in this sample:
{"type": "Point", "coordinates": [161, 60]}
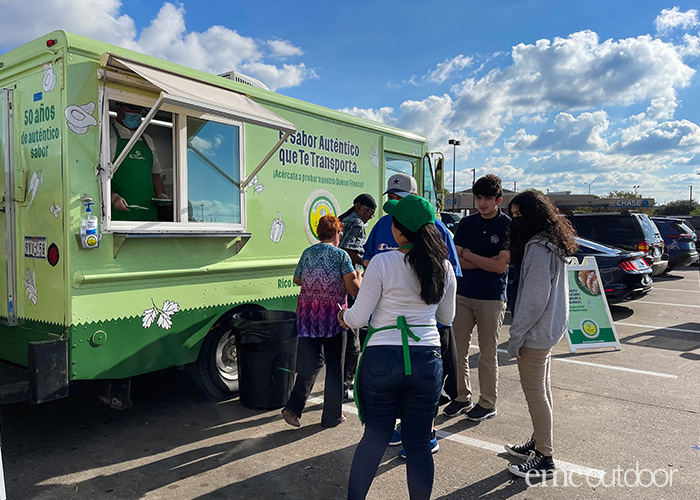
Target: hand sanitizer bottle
{"type": "Point", "coordinates": [89, 223]}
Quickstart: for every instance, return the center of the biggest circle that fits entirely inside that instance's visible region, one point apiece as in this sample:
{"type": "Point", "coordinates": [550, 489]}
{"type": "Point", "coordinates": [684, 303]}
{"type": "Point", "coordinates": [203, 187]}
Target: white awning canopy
{"type": "Point", "coordinates": [185, 92]}
{"type": "Point", "coordinates": [179, 90]}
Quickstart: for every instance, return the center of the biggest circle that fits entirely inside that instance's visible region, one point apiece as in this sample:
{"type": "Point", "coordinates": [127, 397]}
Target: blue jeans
{"type": "Point", "coordinates": [385, 392]}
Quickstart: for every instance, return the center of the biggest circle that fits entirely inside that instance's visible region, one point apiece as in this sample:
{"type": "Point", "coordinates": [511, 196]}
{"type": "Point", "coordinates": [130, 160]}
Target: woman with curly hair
{"type": "Point", "coordinates": [326, 276]}
{"type": "Point", "coordinates": [405, 292]}
{"type": "Point", "coordinates": [540, 243]}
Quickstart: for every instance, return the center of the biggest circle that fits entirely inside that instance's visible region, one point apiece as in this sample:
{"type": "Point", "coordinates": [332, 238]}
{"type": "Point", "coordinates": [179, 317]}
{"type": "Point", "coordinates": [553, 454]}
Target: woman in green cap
{"type": "Point", "coordinates": [404, 291]}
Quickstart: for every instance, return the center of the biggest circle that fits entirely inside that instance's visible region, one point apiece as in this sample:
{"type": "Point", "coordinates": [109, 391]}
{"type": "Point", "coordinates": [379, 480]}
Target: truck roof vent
{"type": "Point", "coordinates": [248, 80]}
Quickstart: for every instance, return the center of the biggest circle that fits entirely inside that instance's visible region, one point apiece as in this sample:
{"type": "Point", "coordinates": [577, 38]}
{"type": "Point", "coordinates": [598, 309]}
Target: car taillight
{"type": "Point", "coordinates": [684, 235]}
{"type": "Point", "coordinates": [628, 265]}
{"type": "Point", "coordinates": [643, 246]}
{"type": "Point", "coordinates": [673, 236]}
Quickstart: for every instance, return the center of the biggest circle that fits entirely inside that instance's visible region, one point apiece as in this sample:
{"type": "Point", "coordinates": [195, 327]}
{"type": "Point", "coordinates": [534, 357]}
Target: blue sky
{"type": "Point", "coordinates": [549, 94]}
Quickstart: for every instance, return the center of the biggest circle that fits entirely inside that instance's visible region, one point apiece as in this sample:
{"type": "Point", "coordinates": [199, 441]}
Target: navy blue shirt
{"type": "Point", "coordinates": [485, 237]}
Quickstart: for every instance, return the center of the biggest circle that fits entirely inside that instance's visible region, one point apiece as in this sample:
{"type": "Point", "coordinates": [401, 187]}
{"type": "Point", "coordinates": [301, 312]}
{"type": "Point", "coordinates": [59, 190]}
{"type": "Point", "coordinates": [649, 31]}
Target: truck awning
{"type": "Point", "coordinates": [194, 94]}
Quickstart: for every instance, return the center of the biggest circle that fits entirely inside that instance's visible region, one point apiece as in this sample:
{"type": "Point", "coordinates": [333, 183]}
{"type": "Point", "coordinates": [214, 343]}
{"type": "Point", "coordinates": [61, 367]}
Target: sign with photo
{"type": "Point", "coordinates": [590, 322]}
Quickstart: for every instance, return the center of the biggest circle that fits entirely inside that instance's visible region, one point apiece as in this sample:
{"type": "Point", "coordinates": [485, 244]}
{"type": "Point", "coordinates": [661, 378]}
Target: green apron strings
{"type": "Point", "coordinates": [406, 332]}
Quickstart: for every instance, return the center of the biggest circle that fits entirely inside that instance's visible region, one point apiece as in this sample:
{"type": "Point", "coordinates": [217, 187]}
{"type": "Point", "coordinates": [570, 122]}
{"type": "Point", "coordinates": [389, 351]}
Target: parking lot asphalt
{"type": "Point", "coordinates": [627, 425]}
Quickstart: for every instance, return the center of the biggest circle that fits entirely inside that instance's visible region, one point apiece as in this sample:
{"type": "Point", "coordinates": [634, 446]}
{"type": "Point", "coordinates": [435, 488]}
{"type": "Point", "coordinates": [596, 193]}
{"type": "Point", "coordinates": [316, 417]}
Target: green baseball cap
{"type": "Point", "coordinates": [413, 212]}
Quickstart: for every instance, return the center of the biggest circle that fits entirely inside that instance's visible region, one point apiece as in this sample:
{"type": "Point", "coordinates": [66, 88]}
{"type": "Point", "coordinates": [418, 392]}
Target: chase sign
{"type": "Point", "coordinates": [634, 203]}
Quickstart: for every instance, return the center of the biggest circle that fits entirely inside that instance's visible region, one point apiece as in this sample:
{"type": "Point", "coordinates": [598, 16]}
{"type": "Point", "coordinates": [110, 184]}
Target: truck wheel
{"type": "Point", "coordinates": [215, 373]}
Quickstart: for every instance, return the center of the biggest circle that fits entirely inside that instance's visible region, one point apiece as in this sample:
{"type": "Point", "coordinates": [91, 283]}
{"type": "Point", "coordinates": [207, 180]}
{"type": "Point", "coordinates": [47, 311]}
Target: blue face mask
{"type": "Point", "coordinates": [132, 120]}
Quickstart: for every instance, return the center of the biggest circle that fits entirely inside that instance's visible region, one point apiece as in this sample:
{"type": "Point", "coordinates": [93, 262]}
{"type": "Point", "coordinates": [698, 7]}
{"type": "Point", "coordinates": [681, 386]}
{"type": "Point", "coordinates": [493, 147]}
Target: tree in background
{"type": "Point", "coordinates": [679, 207]}
{"type": "Point", "coordinates": [625, 195]}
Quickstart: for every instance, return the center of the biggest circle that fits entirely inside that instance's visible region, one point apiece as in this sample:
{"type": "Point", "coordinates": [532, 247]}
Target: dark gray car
{"type": "Point", "coordinates": [627, 230]}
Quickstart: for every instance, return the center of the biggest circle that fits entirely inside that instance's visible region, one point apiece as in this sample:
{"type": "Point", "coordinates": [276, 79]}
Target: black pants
{"type": "Point", "coordinates": [352, 356]}
{"type": "Point", "coordinates": [312, 354]}
{"type": "Point", "coordinates": [448, 351]}
{"type": "Point", "coordinates": [353, 346]}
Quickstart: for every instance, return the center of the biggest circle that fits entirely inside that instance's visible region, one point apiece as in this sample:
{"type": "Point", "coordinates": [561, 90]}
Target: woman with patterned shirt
{"type": "Point", "coordinates": [326, 276]}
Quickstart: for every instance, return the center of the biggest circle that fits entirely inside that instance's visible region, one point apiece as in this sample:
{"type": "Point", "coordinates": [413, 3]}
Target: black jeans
{"type": "Point", "coordinates": [385, 391]}
{"type": "Point", "coordinates": [352, 355]}
{"type": "Point", "coordinates": [312, 354]}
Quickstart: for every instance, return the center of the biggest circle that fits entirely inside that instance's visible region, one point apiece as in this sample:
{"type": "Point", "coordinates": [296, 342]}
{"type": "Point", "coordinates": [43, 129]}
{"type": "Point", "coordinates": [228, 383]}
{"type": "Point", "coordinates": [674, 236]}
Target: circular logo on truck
{"type": "Point", "coordinates": [318, 204]}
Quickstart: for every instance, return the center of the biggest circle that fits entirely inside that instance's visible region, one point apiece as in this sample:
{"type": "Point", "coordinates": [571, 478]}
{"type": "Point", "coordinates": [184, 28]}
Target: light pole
{"type": "Point", "coordinates": [690, 205]}
{"type": "Point", "coordinates": [454, 143]}
{"type": "Point", "coordinates": [589, 186]}
{"type": "Point", "coordinates": [473, 182]}
{"type": "Point", "coordinates": [515, 186]}
{"type": "Point", "coordinates": [635, 189]}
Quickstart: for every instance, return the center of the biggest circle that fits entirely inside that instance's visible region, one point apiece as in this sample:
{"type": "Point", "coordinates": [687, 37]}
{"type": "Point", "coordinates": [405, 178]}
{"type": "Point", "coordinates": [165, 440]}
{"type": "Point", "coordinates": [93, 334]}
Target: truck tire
{"type": "Point", "coordinates": [215, 372]}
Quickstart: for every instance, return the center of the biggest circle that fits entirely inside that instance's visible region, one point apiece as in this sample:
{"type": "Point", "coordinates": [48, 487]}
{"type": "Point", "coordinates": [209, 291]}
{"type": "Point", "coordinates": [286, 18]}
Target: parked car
{"type": "Point", "coordinates": [680, 241]}
{"type": "Point", "coordinates": [450, 219]}
{"type": "Point", "coordinates": [626, 230]}
{"type": "Point", "coordinates": [693, 222]}
{"type": "Point", "coordinates": [625, 274]}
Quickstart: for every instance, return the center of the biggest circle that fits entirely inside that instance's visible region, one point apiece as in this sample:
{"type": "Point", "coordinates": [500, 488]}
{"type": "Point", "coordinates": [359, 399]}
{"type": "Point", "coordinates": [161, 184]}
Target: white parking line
{"type": "Point", "coordinates": [618, 368]}
{"type": "Point", "coordinates": [608, 367]}
{"type": "Point", "coordinates": [667, 304]}
{"type": "Point", "coordinates": [676, 290]}
{"type": "Point", "coordinates": [485, 445]}
{"type": "Point", "coordinates": [652, 327]}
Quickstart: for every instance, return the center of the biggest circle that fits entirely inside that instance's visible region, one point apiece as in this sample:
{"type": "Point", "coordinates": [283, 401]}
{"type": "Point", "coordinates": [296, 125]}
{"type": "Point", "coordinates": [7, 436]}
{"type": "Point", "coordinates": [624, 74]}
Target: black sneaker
{"type": "Point", "coordinates": [348, 397]}
{"type": "Point", "coordinates": [521, 451]}
{"type": "Point", "coordinates": [536, 467]}
{"type": "Point", "coordinates": [479, 413]}
{"type": "Point", "coordinates": [456, 407]}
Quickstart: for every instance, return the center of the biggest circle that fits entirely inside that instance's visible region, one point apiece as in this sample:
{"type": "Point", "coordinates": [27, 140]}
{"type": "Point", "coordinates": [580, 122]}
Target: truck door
{"type": "Point", "coordinates": [8, 281]}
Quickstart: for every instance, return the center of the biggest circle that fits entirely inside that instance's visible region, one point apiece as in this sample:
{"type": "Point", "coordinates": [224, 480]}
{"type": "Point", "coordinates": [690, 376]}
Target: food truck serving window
{"type": "Point", "coordinates": [172, 155]}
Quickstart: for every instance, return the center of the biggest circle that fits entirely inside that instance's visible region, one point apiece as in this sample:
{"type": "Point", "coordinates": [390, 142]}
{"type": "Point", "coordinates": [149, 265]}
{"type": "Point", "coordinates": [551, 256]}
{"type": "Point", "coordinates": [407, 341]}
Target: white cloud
{"type": "Point", "coordinates": [673, 18]}
{"type": "Point", "coordinates": [283, 49]}
{"type": "Point", "coordinates": [214, 50]}
{"type": "Point", "coordinates": [568, 134]}
{"type": "Point", "coordinates": [570, 74]}
{"type": "Point", "coordinates": [691, 46]}
{"type": "Point", "coordinates": [680, 137]}
{"type": "Point", "coordinates": [22, 21]}
{"type": "Point", "coordinates": [382, 115]}
{"type": "Point", "coordinates": [275, 77]}
{"type": "Point", "coordinates": [445, 69]}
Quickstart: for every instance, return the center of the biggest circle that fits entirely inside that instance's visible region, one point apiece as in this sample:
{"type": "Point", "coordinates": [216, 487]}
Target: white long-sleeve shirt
{"type": "Point", "coordinates": [390, 288]}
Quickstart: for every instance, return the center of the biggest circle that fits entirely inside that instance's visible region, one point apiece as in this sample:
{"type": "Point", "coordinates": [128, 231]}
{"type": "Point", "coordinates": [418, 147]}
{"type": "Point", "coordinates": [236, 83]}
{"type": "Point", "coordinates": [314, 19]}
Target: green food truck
{"type": "Point", "coordinates": [144, 203]}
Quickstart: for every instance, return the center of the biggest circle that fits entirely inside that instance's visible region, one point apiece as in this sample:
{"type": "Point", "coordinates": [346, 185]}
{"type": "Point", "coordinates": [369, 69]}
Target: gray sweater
{"type": "Point", "coordinates": [541, 313]}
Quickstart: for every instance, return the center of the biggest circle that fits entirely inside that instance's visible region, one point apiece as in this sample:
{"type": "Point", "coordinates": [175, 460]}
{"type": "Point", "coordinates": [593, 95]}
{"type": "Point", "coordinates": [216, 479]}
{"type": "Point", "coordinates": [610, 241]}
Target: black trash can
{"type": "Point", "coordinates": [267, 356]}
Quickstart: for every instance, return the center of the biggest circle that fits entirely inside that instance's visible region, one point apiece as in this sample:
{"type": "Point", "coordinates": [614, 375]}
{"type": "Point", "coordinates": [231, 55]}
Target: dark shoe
{"type": "Point", "coordinates": [396, 436]}
{"type": "Point", "coordinates": [456, 407]}
{"type": "Point", "coordinates": [434, 446]}
{"type": "Point", "coordinates": [537, 467]}
{"type": "Point", "coordinates": [290, 418]}
{"type": "Point", "coordinates": [479, 413]}
{"type": "Point", "coordinates": [521, 451]}
{"type": "Point", "coordinates": [348, 397]}
{"type": "Point", "coordinates": [342, 420]}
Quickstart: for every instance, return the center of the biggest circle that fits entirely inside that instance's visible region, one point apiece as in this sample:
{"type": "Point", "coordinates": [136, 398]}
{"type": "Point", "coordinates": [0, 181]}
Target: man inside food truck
{"type": "Point", "coordinates": [137, 184]}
